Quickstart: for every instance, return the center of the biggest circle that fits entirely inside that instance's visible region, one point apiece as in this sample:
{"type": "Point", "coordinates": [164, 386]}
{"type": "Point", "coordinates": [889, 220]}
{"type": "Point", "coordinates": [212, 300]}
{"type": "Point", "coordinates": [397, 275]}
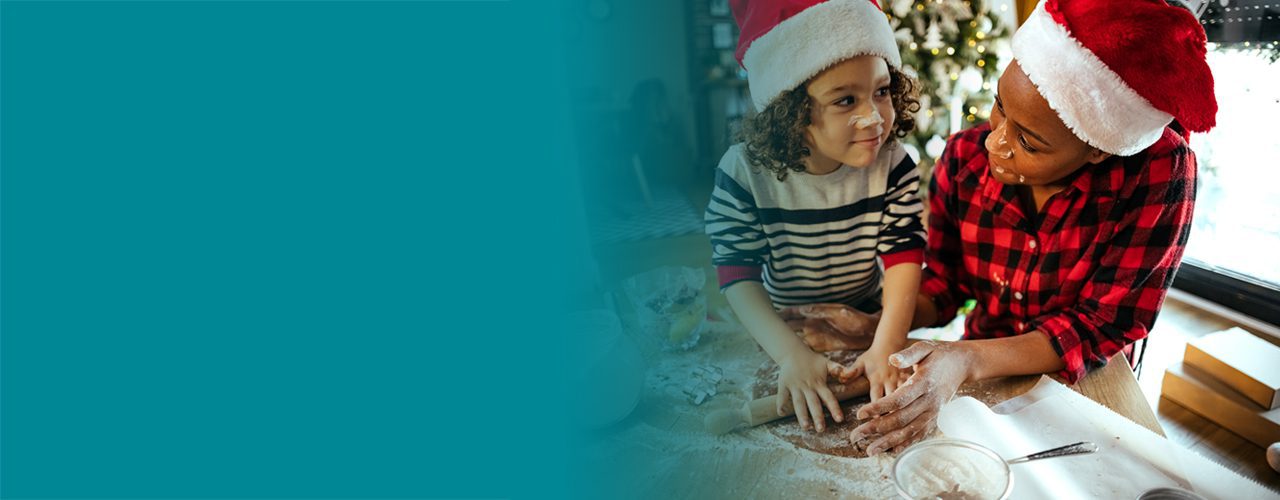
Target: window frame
{"type": "Point", "coordinates": [1230, 289]}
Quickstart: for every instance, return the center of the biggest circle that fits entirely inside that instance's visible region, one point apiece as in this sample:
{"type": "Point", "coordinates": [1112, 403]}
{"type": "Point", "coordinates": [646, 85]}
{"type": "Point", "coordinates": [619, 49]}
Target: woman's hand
{"type": "Point", "coordinates": [831, 327]}
{"type": "Point", "coordinates": [802, 382]}
{"type": "Point", "coordinates": [910, 413]}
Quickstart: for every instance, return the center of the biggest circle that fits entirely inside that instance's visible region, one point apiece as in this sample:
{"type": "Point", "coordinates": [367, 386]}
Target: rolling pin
{"type": "Point", "coordinates": [765, 410]}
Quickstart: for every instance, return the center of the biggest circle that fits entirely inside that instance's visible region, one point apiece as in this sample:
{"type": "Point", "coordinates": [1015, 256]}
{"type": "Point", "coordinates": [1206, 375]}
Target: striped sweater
{"type": "Point", "coordinates": [815, 238]}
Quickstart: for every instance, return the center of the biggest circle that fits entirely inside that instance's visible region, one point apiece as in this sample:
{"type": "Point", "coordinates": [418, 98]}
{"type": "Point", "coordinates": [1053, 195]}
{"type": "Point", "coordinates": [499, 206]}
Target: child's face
{"type": "Point", "coordinates": [1028, 143]}
{"type": "Point", "coordinates": [852, 112]}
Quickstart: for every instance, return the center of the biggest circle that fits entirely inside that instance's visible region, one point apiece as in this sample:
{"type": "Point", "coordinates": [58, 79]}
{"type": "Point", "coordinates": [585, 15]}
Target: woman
{"type": "Point", "coordinates": [1067, 215]}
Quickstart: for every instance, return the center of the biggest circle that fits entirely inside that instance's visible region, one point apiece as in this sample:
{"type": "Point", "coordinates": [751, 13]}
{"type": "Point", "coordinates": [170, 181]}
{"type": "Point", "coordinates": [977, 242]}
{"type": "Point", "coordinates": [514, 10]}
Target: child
{"type": "Point", "coordinates": [819, 190]}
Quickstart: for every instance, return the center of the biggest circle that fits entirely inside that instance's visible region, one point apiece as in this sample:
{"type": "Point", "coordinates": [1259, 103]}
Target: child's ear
{"type": "Point", "coordinates": [1097, 156]}
{"type": "Point", "coordinates": [806, 145]}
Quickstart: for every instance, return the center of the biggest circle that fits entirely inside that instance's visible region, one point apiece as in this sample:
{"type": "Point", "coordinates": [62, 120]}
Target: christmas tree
{"type": "Point", "coordinates": [952, 47]}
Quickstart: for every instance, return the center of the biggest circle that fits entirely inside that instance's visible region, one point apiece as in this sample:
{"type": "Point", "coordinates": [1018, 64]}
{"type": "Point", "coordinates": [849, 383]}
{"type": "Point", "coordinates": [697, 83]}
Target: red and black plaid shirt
{"type": "Point", "coordinates": [1091, 270]}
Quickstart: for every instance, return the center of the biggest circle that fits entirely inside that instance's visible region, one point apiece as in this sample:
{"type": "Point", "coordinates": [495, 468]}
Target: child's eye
{"type": "Point", "coordinates": [844, 101]}
{"type": "Point", "coordinates": [882, 92]}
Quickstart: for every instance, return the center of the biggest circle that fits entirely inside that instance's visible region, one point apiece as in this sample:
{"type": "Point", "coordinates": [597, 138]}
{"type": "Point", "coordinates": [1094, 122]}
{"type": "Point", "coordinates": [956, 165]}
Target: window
{"type": "Point", "coordinates": [1233, 256]}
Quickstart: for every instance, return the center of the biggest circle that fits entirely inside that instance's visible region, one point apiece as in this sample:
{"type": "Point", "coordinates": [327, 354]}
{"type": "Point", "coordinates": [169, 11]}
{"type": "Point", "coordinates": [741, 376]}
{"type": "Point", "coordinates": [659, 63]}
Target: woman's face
{"type": "Point", "coordinates": [851, 113]}
{"type": "Point", "coordinates": [1028, 143]}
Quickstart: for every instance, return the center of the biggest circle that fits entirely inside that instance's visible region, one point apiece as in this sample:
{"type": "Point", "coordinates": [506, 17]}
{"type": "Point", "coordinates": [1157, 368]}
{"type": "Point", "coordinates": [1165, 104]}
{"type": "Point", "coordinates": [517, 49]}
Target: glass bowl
{"type": "Point", "coordinates": [1169, 494]}
{"type": "Point", "coordinates": [951, 469]}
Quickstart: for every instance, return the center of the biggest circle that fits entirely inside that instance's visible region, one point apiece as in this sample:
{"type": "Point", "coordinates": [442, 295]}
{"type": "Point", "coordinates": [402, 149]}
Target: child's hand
{"type": "Point", "coordinates": [884, 377]}
{"type": "Point", "coordinates": [802, 383]}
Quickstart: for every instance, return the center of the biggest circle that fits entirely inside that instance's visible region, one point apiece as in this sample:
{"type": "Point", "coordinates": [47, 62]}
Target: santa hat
{"type": "Point", "coordinates": [1118, 71]}
{"type": "Point", "coordinates": [784, 43]}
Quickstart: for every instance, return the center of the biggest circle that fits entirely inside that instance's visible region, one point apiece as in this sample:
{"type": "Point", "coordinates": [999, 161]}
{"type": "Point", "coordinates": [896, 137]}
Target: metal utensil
{"type": "Point", "coordinates": [1080, 448]}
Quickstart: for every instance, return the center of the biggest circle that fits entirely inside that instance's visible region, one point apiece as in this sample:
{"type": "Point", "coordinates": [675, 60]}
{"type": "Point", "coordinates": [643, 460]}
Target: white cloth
{"type": "Point", "coordinates": [1130, 458]}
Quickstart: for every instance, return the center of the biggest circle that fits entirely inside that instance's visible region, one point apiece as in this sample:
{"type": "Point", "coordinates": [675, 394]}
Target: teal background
{"type": "Point", "coordinates": [283, 249]}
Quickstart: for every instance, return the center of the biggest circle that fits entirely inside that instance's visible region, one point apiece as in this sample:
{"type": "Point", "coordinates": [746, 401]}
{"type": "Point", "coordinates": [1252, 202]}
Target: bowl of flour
{"type": "Point", "coordinates": [951, 469]}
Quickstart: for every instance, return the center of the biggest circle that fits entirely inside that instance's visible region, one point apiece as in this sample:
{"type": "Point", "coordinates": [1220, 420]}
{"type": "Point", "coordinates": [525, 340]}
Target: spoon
{"type": "Point", "coordinates": [1080, 448]}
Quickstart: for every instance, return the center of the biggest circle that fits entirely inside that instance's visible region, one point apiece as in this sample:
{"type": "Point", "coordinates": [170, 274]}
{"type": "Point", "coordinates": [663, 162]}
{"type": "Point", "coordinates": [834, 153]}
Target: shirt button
{"type": "Point", "coordinates": [1017, 295]}
{"type": "Point", "coordinates": [1032, 244]}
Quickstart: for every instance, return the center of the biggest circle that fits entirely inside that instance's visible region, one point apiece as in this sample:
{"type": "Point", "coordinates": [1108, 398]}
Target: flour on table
{"type": "Point", "coordinates": [667, 451]}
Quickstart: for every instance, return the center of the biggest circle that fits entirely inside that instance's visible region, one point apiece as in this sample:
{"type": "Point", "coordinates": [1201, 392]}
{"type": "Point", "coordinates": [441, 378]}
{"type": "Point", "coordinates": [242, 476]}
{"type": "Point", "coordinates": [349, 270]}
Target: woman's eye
{"type": "Point", "coordinates": [1023, 140]}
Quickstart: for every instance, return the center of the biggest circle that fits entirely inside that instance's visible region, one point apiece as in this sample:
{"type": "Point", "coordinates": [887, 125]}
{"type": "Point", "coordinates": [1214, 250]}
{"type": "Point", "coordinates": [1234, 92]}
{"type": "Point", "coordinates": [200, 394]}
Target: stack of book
{"type": "Point", "coordinates": [1232, 378]}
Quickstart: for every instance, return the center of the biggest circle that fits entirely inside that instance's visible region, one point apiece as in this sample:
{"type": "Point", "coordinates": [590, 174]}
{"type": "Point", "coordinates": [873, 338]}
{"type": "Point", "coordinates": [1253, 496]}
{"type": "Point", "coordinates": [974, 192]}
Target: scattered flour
{"type": "Point", "coordinates": [663, 449]}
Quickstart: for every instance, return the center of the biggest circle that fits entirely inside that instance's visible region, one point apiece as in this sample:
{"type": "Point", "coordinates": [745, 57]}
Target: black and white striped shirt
{"type": "Point", "coordinates": [815, 238]}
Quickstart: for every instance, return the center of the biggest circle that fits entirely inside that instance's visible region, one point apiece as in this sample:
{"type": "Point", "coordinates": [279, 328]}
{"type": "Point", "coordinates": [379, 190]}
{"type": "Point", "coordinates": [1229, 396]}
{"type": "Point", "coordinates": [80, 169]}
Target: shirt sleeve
{"type": "Point", "coordinates": [1136, 266]}
{"type": "Point", "coordinates": [901, 237]}
{"type": "Point", "coordinates": [941, 280]}
{"type": "Point", "coordinates": [738, 244]}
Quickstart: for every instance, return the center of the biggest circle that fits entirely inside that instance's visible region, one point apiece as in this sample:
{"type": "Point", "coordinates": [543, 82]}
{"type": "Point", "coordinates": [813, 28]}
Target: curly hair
{"type": "Point", "coordinates": [775, 137]}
